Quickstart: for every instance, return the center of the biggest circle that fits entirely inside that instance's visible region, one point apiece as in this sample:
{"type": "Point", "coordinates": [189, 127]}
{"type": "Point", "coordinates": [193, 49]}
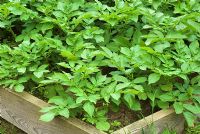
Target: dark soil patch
{"type": "Point", "coordinates": [126, 116]}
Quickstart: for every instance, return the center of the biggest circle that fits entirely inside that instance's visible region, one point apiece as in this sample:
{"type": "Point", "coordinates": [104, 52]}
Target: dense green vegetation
{"type": "Point", "coordinates": [88, 57]}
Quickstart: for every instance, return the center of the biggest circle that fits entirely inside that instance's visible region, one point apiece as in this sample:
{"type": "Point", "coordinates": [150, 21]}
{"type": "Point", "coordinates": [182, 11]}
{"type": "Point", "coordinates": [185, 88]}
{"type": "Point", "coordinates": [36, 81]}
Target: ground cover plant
{"type": "Point", "coordinates": [89, 57]}
{"type": "Point", "coordinates": [193, 130]}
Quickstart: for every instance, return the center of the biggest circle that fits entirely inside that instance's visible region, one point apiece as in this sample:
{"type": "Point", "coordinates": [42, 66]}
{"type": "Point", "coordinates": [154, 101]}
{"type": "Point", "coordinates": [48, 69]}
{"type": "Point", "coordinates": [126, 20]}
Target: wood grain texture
{"type": "Point", "coordinates": [156, 122]}
{"type": "Point", "coordinates": [21, 109]}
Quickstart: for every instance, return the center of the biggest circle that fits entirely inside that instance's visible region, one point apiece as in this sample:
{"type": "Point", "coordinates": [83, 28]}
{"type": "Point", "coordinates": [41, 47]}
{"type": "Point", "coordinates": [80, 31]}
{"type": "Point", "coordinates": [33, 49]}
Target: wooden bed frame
{"type": "Point", "coordinates": [22, 110]}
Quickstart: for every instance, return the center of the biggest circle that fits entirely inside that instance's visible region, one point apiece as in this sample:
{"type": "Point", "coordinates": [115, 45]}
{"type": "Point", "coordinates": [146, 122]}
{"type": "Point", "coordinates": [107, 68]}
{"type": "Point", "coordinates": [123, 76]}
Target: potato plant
{"type": "Point", "coordinates": [85, 56]}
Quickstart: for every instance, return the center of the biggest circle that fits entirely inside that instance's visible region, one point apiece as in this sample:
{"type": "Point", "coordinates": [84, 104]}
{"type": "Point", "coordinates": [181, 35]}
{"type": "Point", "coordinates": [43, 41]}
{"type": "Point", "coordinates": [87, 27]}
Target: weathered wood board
{"type": "Point", "coordinates": [21, 109]}
{"type": "Point", "coordinates": [156, 122]}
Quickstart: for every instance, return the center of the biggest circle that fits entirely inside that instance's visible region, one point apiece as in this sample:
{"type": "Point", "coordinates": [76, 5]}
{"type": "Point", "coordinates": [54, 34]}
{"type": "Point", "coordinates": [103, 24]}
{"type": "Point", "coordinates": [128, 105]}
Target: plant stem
{"type": "Point", "coordinates": [12, 32]}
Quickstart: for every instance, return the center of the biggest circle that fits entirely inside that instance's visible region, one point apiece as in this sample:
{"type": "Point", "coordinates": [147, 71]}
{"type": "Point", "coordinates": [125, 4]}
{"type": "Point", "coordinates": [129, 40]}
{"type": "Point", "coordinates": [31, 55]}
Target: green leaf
{"type": "Point", "coordinates": [116, 123]}
{"type": "Point", "coordinates": [190, 118]}
{"type": "Point", "coordinates": [163, 105]}
{"type": "Point", "coordinates": [153, 78]}
{"type": "Point", "coordinates": [194, 47]}
{"type": "Point", "coordinates": [99, 38]}
{"type": "Point", "coordinates": [197, 98]}
{"type": "Point", "coordinates": [2, 24]}
{"type": "Point", "coordinates": [103, 125]}
{"type": "Point", "coordinates": [132, 102]}
{"type": "Point", "coordinates": [120, 78]}
{"type": "Point", "coordinates": [21, 69]}
{"type": "Point", "coordinates": [137, 36]}
{"type": "Point", "coordinates": [64, 112]}
{"type": "Point", "coordinates": [94, 98]}
{"type": "Point", "coordinates": [58, 100]}
{"type": "Point", "coordinates": [194, 109]}
{"type": "Point", "coordinates": [47, 109]}
{"type": "Point", "coordinates": [19, 88]}
{"type": "Point", "coordinates": [175, 35]}
{"type": "Point", "coordinates": [140, 80]}
{"type": "Point", "coordinates": [167, 87]}
{"type": "Point", "coordinates": [185, 67]}
{"type": "Point", "coordinates": [81, 99]}
{"type": "Point", "coordinates": [47, 117]}
{"type": "Point", "coordinates": [122, 41]}
{"type": "Point", "coordinates": [102, 112]}
{"type": "Point", "coordinates": [166, 97]}
{"type": "Point", "coordinates": [194, 25]}
{"type": "Point", "coordinates": [139, 88]}
{"type": "Point", "coordinates": [107, 51]}
{"type": "Point", "coordinates": [23, 79]}
{"type": "Point", "coordinates": [122, 86]}
{"type": "Point", "coordinates": [178, 107]}
{"type": "Point", "coordinates": [116, 95]}
{"type": "Point", "coordinates": [89, 108]}
{"type": "Point", "coordinates": [38, 74]}
{"type": "Point", "coordinates": [156, 4]}
{"type": "Point", "coordinates": [160, 47]}
{"type": "Point", "coordinates": [69, 55]}
{"type": "Point", "coordinates": [45, 26]}
{"type": "Point", "coordinates": [100, 78]}
{"type": "Point", "coordinates": [131, 91]}
{"type": "Point", "coordinates": [24, 16]}
{"type": "Point", "coordinates": [16, 10]}
{"type": "Point", "coordinates": [142, 96]}
{"type": "Point", "coordinates": [126, 51]}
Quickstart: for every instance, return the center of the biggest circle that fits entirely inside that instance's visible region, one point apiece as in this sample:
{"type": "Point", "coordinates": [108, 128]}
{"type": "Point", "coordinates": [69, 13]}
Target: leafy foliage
{"type": "Point", "coordinates": [84, 55]}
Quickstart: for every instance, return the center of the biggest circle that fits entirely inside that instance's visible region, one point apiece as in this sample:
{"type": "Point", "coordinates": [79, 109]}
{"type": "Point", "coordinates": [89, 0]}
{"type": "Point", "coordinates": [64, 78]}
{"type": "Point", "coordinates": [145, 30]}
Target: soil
{"type": "Point", "coordinates": [7, 128]}
{"type": "Point", "coordinates": [126, 116]}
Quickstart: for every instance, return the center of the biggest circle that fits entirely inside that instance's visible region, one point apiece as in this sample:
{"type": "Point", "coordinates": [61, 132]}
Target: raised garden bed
{"type": "Point", "coordinates": [108, 63]}
{"type": "Point", "coordinates": [21, 109]}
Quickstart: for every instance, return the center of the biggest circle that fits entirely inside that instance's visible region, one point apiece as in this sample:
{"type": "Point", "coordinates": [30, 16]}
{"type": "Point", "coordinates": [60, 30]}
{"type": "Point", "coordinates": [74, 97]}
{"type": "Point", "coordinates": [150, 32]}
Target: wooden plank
{"type": "Point", "coordinates": [21, 109]}
{"type": "Point", "coordinates": [156, 122]}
